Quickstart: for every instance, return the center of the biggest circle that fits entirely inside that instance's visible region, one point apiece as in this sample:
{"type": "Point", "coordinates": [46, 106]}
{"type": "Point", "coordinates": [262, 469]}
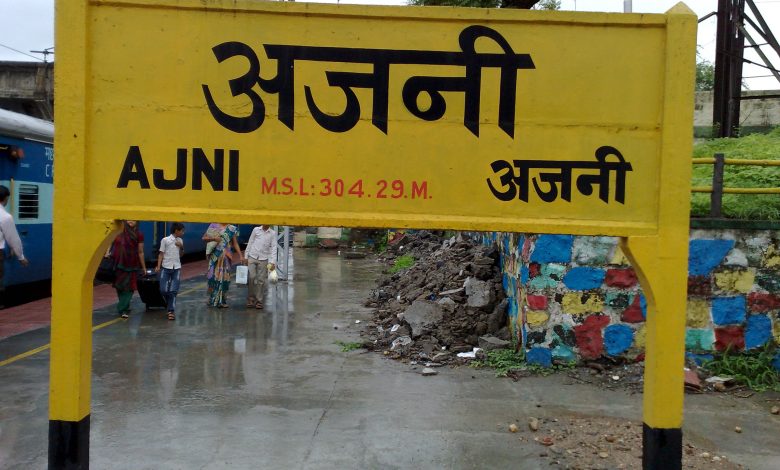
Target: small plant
{"type": "Point", "coordinates": [401, 263]}
{"type": "Point", "coordinates": [347, 347]}
{"type": "Point", "coordinates": [503, 361]}
{"type": "Point", "coordinates": [556, 367]}
{"type": "Point", "coordinates": [753, 369]}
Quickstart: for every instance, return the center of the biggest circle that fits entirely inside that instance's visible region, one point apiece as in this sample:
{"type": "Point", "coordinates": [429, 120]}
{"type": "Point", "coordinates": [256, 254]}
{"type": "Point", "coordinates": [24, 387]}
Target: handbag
{"type": "Point", "coordinates": [106, 272]}
{"type": "Point", "coordinates": [242, 272]}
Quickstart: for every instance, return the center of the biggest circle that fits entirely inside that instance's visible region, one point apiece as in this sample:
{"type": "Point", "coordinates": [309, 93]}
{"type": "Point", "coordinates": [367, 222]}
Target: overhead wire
{"type": "Point", "coordinates": [20, 52]}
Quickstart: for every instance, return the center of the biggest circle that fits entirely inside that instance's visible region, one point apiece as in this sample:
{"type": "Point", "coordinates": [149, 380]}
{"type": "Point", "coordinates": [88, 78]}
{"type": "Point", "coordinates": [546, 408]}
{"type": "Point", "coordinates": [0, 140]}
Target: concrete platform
{"type": "Point", "coordinates": [249, 389]}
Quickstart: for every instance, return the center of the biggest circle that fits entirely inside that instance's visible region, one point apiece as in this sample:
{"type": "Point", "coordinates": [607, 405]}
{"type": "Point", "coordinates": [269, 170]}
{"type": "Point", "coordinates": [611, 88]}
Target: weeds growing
{"type": "Point", "coordinates": [347, 347]}
{"type": "Point", "coordinates": [503, 361]}
{"type": "Point", "coordinates": [401, 263]}
{"type": "Point", "coordinates": [753, 369]}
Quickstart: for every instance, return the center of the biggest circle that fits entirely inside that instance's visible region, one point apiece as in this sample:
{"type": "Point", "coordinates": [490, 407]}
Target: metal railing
{"type": "Point", "coordinates": [717, 190]}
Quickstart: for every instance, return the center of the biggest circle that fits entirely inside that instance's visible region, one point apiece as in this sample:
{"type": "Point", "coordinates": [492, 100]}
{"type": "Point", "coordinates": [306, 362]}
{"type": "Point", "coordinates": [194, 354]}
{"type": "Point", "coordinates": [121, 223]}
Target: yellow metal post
{"type": "Point", "coordinates": [78, 245]}
{"type": "Point", "coordinates": [661, 261]}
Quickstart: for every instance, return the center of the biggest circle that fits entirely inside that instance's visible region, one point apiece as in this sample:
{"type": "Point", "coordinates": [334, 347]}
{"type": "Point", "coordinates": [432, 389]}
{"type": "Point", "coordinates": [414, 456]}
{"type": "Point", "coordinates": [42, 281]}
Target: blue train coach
{"type": "Point", "coordinates": [26, 168]}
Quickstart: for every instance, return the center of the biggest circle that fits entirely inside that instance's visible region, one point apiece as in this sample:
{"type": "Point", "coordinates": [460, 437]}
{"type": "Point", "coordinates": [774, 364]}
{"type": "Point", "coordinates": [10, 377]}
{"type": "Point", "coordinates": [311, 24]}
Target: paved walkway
{"type": "Point", "coordinates": [34, 315]}
{"type": "Point", "coordinates": [248, 389]}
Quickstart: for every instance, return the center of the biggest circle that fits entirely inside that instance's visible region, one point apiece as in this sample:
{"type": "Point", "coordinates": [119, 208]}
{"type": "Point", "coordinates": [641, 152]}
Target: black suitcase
{"type": "Point", "coordinates": [149, 290]}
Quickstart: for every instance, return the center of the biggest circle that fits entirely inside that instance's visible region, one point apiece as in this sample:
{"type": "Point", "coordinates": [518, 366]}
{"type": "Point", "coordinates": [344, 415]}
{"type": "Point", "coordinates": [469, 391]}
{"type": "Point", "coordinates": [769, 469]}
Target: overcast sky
{"type": "Point", "coordinates": [29, 25]}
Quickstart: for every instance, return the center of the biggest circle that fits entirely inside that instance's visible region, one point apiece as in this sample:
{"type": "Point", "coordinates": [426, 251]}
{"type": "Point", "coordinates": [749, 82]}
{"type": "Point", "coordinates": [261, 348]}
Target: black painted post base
{"type": "Point", "coordinates": [661, 448]}
{"type": "Point", "coordinates": [69, 444]}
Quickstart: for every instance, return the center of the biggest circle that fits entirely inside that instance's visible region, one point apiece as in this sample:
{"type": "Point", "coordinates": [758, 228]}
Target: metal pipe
{"type": "Point", "coordinates": [716, 199]}
{"type": "Point", "coordinates": [734, 161]}
{"type": "Point", "coordinates": [708, 189]}
{"type": "Point", "coordinates": [286, 253]}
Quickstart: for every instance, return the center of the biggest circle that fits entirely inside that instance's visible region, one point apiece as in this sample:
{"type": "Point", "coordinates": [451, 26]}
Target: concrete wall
{"type": "Point", "coordinates": [574, 298]}
{"type": "Point", "coordinates": [755, 114]}
{"type": "Point", "coordinates": [28, 88]}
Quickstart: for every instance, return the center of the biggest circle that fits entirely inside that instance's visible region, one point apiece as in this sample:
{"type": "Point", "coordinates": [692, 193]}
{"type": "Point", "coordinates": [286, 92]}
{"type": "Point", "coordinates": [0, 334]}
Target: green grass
{"type": "Point", "coordinates": [347, 347]}
{"type": "Point", "coordinates": [740, 206]}
{"type": "Point", "coordinates": [401, 263]}
{"type": "Point", "coordinates": [753, 369]}
{"type": "Point", "coordinates": [506, 360]}
{"type": "Point", "coordinates": [503, 361]}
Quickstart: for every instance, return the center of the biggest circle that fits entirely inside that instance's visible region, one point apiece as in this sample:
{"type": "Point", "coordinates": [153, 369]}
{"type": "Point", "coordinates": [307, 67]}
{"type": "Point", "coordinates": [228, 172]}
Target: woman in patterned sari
{"type": "Point", "coordinates": [128, 254]}
{"type": "Point", "coordinates": [220, 264]}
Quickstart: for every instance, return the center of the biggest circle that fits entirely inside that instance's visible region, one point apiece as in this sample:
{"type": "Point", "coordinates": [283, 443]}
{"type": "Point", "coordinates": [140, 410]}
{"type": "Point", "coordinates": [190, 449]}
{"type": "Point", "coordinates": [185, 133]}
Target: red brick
{"type": "Point", "coordinates": [733, 336]}
{"type": "Point", "coordinates": [537, 302]}
{"type": "Point", "coordinates": [700, 285]}
{"type": "Point", "coordinates": [758, 302]}
{"type": "Point", "coordinates": [621, 278]}
{"type": "Point", "coordinates": [589, 338]}
{"type": "Point", "coordinates": [534, 269]}
{"type": "Point", "coordinates": [633, 314]}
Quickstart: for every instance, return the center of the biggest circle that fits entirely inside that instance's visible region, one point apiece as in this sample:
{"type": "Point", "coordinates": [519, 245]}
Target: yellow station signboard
{"type": "Point", "coordinates": [388, 116]}
{"type": "Point", "coordinates": [308, 114]}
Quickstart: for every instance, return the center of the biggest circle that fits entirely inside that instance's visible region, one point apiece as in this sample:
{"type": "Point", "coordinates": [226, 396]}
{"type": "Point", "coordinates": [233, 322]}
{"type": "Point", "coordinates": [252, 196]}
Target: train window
{"type": "Point", "coordinates": [28, 201]}
{"type": "Point", "coordinates": [11, 151]}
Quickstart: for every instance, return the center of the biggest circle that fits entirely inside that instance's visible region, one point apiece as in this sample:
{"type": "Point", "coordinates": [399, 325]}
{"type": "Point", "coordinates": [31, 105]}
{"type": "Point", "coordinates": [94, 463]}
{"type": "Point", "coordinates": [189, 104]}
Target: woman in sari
{"type": "Point", "coordinates": [128, 254]}
{"type": "Point", "coordinates": [221, 263]}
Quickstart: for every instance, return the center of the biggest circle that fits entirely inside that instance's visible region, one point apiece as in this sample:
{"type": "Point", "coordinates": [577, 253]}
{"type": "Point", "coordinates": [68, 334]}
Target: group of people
{"type": "Point", "coordinates": [127, 255]}
{"type": "Point", "coordinates": [222, 252]}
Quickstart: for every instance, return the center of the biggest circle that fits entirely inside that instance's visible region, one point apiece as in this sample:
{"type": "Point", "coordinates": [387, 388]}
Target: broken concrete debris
{"type": "Point", "coordinates": [450, 300]}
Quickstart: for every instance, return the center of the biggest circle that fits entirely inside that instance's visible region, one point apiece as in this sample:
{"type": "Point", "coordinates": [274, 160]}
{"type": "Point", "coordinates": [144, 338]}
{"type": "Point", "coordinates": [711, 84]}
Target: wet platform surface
{"type": "Point", "coordinates": [237, 388]}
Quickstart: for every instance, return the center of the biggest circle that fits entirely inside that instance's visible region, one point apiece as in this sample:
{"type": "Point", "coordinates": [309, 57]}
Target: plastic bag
{"type": "Point", "coordinates": [242, 273]}
{"type": "Point", "coordinates": [273, 276]}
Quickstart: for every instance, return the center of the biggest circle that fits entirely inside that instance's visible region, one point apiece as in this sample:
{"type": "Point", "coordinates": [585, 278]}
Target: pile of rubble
{"type": "Point", "coordinates": [450, 301]}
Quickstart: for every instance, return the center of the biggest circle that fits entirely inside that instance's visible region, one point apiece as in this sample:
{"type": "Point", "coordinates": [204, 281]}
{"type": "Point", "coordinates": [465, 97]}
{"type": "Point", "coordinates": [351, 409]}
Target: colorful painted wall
{"type": "Point", "coordinates": [574, 298]}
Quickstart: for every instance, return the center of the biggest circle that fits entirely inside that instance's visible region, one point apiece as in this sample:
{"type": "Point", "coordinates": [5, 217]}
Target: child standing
{"type": "Point", "coordinates": [169, 266]}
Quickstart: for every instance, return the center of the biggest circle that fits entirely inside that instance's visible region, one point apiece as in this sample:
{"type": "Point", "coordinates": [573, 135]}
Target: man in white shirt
{"type": "Point", "coordinates": [260, 257]}
{"type": "Point", "coordinates": [169, 266]}
{"type": "Point", "coordinates": [8, 234]}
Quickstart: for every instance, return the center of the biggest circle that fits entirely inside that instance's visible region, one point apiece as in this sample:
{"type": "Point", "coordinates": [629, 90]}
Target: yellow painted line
{"type": "Point", "coordinates": [47, 346]}
{"type": "Point", "coordinates": [24, 354]}
{"type": "Point", "coordinates": [108, 323]}
{"type": "Point", "coordinates": [190, 290]}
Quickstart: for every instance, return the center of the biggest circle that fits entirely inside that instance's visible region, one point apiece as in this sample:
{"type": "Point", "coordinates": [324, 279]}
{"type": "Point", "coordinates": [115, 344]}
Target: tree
{"type": "Point", "coordinates": [705, 75]}
{"type": "Point", "coordinates": [548, 5]}
{"type": "Point", "coordinates": [457, 3]}
{"type": "Point", "coordinates": [524, 4]}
